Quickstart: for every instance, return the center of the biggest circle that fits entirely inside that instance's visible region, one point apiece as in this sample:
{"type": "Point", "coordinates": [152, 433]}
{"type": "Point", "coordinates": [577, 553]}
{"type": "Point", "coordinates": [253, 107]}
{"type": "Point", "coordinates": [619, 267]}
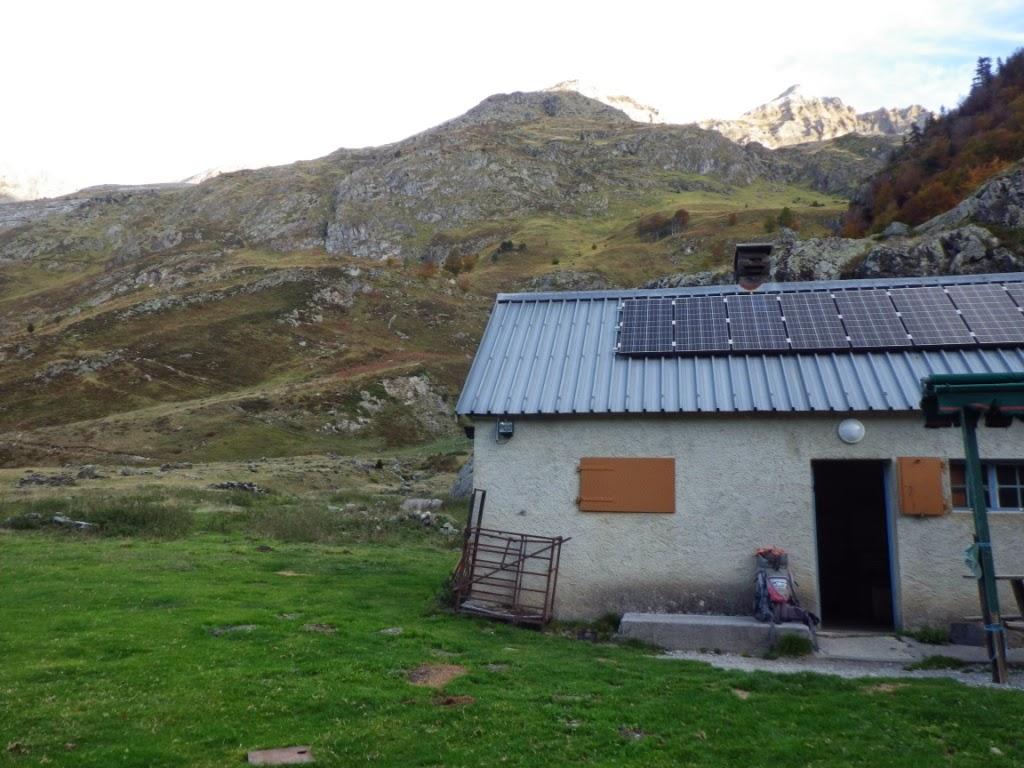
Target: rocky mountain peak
{"type": "Point", "coordinates": [641, 113]}
{"type": "Point", "coordinates": [523, 107]}
{"type": "Point", "coordinates": [793, 92]}
{"type": "Point", "coordinates": [795, 117]}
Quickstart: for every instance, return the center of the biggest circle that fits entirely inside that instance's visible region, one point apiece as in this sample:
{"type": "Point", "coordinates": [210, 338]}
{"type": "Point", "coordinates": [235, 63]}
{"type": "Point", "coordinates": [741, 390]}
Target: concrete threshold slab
{"type": "Point", "coordinates": [698, 632]}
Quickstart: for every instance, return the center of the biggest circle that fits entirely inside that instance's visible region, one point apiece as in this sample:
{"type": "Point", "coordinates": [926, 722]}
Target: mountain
{"type": "Point", "coordinates": [511, 157]}
{"type": "Point", "coordinates": [794, 117]}
{"type": "Point", "coordinates": [333, 305]}
{"type": "Point", "coordinates": [634, 110]}
{"type": "Point", "coordinates": [17, 183]}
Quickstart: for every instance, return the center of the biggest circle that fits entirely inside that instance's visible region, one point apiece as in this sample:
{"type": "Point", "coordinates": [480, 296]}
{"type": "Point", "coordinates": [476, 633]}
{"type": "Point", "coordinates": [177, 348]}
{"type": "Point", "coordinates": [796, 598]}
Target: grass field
{"type": "Point", "coordinates": [190, 651]}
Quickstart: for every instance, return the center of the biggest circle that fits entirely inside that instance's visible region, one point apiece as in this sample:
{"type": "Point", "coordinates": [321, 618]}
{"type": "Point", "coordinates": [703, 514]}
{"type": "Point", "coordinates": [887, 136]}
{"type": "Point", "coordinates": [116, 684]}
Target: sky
{"type": "Point", "coordinates": [135, 92]}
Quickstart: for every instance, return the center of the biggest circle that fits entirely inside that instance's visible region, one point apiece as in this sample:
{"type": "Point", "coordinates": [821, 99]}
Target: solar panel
{"type": "Point", "coordinates": [812, 321]}
{"type": "Point", "coordinates": [990, 313]}
{"type": "Point", "coordinates": [930, 317]}
{"type": "Point", "coordinates": [870, 319]}
{"type": "Point", "coordinates": [1016, 291]}
{"type": "Point", "coordinates": [700, 324]}
{"type": "Point", "coordinates": [755, 322]}
{"type": "Point", "coordinates": [645, 326]}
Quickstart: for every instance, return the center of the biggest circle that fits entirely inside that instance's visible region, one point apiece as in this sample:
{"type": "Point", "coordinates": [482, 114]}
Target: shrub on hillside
{"type": "Point", "coordinates": [657, 225]}
{"type": "Point", "coordinates": [398, 426]}
{"type": "Point", "coordinates": [139, 517]}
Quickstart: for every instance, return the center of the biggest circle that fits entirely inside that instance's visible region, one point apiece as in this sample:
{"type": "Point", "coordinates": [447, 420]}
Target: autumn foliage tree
{"type": "Point", "coordinates": [659, 225]}
{"type": "Point", "coordinates": [944, 160]}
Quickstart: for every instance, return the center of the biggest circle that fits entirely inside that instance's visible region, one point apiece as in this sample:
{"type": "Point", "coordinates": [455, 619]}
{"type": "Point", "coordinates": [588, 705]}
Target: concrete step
{"type": "Point", "coordinates": [696, 632]}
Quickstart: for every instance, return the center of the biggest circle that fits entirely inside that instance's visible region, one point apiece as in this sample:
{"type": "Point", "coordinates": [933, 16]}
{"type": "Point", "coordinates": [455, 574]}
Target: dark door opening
{"type": "Point", "coordinates": [854, 575]}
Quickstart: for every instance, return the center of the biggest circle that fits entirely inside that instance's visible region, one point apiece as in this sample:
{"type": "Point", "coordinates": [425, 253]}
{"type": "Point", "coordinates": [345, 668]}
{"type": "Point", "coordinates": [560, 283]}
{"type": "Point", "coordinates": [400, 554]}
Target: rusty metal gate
{"type": "Point", "coordinates": [506, 575]}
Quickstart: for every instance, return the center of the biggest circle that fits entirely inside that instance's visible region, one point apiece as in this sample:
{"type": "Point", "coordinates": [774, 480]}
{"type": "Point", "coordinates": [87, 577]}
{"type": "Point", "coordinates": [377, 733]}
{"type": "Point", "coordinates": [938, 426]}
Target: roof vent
{"type": "Point", "coordinates": [751, 264]}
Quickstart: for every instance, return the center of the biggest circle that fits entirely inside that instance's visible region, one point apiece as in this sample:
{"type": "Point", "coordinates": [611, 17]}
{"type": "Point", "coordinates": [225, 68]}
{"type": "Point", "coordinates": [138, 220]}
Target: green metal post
{"type": "Point", "coordinates": [987, 581]}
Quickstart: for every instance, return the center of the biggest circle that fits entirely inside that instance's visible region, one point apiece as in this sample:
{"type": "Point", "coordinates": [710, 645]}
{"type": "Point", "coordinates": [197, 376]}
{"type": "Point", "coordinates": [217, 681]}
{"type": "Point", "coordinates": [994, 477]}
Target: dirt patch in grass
{"type": "Point", "coordinates": [740, 694]}
{"type": "Point", "coordinates": [323, 629]}
{"type": "Point", "coordinates": [435, 675]}
{"type": "Point", "coordinates": [454, 701]}
{"type": "Point", "coordinates": [885, 688]}
{"type": "Point", "coordinates": [232, 629]}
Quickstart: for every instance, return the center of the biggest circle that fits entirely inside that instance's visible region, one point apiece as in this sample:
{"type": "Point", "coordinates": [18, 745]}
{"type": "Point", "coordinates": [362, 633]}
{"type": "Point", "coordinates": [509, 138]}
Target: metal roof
{"type": "Point", "coordinates": [554, 353]}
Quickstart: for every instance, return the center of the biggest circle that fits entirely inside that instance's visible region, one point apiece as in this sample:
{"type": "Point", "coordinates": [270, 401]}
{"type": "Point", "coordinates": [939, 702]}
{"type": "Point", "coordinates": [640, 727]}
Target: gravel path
{"type": "Point", "coordinates": [975, 675]}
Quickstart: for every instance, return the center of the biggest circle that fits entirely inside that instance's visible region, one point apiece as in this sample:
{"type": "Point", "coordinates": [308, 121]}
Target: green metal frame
{"type": "Point", "coordinates": [961, 400]}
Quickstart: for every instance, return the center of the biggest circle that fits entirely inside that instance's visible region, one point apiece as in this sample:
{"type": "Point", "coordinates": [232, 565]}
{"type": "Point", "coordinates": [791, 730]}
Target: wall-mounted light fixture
{"type": "Point", "coordinates": [504, 429]}
{"type": "Point", "coordinates": [851, 431]}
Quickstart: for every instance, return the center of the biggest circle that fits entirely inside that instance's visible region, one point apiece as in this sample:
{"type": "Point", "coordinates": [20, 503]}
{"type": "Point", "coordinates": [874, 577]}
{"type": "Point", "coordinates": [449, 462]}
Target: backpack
{"type": "Point", "coordinates": [775, 597]}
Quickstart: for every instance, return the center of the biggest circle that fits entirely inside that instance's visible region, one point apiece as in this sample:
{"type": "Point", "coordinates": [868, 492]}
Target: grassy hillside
{"type": "Point", "coordinates": [213, 353]}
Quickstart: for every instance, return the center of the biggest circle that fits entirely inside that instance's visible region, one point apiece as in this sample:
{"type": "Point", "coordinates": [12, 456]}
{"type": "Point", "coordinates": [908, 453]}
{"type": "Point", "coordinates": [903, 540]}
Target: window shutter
{"type": "Point", "coordinates": [922, 486]}
{"type": "Point", "coordinates": [627, 485]}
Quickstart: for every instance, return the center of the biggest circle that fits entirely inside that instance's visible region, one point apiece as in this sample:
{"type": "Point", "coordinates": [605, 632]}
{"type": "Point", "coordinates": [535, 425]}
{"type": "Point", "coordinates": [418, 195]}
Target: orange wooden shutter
{"type": "Point", "coordinates": [627, 485]}
{"type": "Point", "coordinates": [922, 486]}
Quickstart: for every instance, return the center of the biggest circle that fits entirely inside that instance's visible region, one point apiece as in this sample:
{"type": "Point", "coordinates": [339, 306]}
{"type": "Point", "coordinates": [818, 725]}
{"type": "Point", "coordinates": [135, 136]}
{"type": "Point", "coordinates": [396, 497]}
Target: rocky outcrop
{"type": "Point", "coordinates": [567, 280]}
{"type": "Point", "coordinates": [693, 279]}
{"type": "Point", "coordinates": [793, 117]}
{"type": "Point", "coordinates": [998, 202]}
{"type": "Point", "coordinates": [819, 258]}
{"type": "Point", "coordinates": [965, 250]}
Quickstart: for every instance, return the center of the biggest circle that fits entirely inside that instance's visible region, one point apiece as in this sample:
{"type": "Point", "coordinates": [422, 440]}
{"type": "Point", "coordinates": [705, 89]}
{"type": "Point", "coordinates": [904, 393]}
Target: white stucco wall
{"type": "Point", "coordinates": [742, 482]}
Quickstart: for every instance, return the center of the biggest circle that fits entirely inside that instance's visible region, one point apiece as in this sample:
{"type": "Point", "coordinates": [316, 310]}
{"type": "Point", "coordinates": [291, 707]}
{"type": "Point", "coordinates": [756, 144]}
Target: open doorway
{"type": "Point", "coordinates": [854, 573]}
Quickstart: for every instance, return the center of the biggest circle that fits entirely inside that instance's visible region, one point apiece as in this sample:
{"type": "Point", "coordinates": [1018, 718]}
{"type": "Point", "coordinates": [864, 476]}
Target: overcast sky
{"type": "Point", "coordinates": [143, 91]}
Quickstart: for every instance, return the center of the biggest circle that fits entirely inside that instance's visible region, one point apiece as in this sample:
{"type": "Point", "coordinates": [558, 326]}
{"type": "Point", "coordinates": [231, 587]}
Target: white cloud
{"type": "Point", "coordinates": [133, 92]}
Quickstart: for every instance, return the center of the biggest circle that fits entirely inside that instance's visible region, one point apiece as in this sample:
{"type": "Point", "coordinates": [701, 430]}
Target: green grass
{"type": "Point", "coordinates": [929, 635]}
{"type": "Point", "coordinates": [938, 662]}
{"type": "Point", "coordinates": [109, 658]}
{"type": "Point", "coordinates": [790, 646]}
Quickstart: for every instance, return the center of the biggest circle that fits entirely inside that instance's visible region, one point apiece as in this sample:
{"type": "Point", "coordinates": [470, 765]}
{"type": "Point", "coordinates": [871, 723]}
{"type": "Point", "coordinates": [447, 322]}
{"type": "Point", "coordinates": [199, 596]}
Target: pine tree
{"type": "Point", "coordinates": [982, 73]}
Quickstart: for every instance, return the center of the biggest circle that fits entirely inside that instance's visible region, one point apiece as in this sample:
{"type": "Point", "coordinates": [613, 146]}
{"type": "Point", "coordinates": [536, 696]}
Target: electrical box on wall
{"type": "Point", "coordinates": [506, 428]}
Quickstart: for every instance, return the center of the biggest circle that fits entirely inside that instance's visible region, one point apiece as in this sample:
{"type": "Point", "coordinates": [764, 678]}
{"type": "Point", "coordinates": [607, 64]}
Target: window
{"type": "Point", "coordinates": [627, 485]}
{"type": "Point", "coordinates": [1005, 477]}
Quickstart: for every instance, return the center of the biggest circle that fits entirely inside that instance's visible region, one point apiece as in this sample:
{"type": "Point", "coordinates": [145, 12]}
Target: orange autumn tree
{"type": "Point", "coordinates": [944, 160]}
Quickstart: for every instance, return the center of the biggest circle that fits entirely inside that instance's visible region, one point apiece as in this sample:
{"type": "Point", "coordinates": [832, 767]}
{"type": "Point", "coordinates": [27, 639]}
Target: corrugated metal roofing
{"type": "Point", "coordinates": [554, 353]}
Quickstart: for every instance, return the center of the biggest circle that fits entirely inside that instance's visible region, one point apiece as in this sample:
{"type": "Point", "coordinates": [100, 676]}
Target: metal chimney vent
{"type": "Point", "coordinates": [752, 264]}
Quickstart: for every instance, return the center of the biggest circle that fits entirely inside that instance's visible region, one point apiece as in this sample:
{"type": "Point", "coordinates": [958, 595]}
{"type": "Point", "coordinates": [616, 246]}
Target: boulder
{"type": "Point", "coordinates": [421, 505]}
{"type": "Point", "coordinates": [462, 488]}
{"type": "Point", "coordinates": [246, 487]}
{"type": "Point", "coordinates": [896, 229]}
{"type": "Point", "coordinates": [35, 478]}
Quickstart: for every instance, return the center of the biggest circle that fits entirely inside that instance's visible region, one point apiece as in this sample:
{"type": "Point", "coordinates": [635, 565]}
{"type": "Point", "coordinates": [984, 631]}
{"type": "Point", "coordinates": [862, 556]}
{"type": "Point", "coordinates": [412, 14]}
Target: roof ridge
{"type": "Point", "coordinates": [783, 287]}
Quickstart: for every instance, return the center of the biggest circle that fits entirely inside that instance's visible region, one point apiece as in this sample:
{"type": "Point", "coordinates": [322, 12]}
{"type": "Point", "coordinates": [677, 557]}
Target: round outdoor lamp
{"type": "Point", "coordinates": [851, 431]}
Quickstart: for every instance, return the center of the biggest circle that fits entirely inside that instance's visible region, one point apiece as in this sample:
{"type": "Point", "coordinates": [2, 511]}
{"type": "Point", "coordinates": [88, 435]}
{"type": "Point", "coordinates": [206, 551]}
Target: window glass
{"type": "Point", "coordinates": [1009, 497]}
{"type": "Point", "coordinates": [958, 484]}
{"type": "Point", "coordinates": [1008, 477]}
{"type": "Point", "coordinates": [1006, 474]}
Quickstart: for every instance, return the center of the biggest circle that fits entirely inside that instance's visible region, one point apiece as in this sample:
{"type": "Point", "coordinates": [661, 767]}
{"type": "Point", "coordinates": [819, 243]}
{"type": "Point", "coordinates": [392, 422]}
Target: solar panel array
{"type": "Point", "coordinates": [925, 317]}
